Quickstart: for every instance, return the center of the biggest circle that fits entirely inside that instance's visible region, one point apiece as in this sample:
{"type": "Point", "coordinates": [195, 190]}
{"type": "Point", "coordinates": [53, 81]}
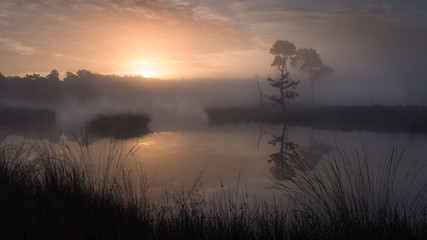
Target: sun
{"type": "Point", "coordinates": [146, 73]}
{"type": "Point", "coordinates": [145, 69]}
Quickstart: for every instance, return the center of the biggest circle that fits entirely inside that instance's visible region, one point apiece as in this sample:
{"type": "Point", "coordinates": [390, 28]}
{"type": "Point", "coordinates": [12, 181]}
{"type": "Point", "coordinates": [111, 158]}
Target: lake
{"type": "Point", "coordinates": [244, 156]}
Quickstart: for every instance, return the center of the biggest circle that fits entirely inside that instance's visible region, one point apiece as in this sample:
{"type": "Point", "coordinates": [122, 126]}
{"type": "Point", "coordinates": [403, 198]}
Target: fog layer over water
{"type": "Point", "coordinates": [183, 146]}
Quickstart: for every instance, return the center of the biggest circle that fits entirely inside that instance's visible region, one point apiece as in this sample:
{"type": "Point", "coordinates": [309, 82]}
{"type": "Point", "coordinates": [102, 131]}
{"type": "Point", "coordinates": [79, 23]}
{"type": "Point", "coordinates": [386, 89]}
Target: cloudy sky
{"type": "Point", "coordinates": [381, 44]}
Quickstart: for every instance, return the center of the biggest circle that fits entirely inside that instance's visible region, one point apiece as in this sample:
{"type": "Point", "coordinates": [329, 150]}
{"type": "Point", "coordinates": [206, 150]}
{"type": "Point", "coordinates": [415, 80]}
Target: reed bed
{"type": "Point", "coordinates": [64, 191]}
{"type": "Point", "coordinates": [354, 198]}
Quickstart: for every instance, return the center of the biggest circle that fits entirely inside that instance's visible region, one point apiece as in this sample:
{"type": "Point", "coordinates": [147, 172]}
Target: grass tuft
{"type": "Point", "coordinates": [63, 191]}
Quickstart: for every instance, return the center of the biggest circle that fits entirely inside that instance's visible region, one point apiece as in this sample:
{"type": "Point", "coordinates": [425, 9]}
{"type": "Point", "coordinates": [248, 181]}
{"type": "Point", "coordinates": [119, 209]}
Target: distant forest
{"type": "Point", "coordinates": [85, 86]}
{"type": "Point", "coordinates": [82, 86]}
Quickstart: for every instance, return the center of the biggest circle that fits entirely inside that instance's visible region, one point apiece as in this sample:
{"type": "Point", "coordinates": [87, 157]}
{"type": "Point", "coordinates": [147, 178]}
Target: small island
{"type": "Point", "coordinates": [119, 126]}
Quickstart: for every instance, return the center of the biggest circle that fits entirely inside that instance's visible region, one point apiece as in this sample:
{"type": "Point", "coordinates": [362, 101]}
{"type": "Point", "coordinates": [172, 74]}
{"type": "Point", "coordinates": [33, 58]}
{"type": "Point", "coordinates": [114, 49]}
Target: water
{"type": "Point", "coordinates": [244, 156]}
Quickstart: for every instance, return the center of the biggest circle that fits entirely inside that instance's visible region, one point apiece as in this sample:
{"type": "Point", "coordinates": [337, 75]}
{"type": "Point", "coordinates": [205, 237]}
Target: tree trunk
{"type": "Point", "coordinates": [310, 74]}
{"type": "Point", "coordinates": [282, 142]}
{"type": "Point", "coordinates": [260, 94]}
{"type": "Point", "coordinates": [284, 112]}
{"type": "Point", "coordinates": [282, 94]}
{"type": "Point", "coordinates": [312, 91]}
{"type": "Point", "coordinates": [282, 102]}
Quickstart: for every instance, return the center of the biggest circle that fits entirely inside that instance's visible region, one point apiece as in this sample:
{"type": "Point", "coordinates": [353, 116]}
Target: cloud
{"type": "Point", "coordinates": [10, 44]}
{"type": "Point", "coordinates": [206, 13]}
{"type": "Point", "coordinates": [369, 40]}
{"type": "Point", "coordinates": [369, 43]}
{"type": "Point", "coordinates": [106, 31]}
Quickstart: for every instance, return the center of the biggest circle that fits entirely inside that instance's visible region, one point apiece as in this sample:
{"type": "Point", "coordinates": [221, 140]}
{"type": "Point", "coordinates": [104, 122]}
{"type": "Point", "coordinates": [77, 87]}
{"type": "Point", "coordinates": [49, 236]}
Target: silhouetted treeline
{"type": "Point", "coordinates": [85, 86]}
{"type": "Point", "coordinates": [31, 87]}
{"type": "Point", "coordinates": [82, 85]}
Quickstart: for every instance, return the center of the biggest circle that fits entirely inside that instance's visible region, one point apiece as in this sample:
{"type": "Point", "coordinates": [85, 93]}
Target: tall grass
{"type": "Point", "coordinates": [55, 192]}
{"type": "Point", "coordinates": [355, 198]}
{"type": "Point", "coordinates": [66, 191]}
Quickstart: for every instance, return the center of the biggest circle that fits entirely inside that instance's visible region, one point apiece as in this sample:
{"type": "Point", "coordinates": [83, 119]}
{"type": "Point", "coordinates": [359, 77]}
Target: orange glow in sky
{"type": "Point", "coordinates": [202, 39]}
{"type": "Point", "coordinates": [145, 69]}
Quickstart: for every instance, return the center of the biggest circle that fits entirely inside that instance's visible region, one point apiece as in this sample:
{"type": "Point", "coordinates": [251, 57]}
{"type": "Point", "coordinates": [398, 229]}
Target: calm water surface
{"type": "Point", "coordinates": [244, 154]}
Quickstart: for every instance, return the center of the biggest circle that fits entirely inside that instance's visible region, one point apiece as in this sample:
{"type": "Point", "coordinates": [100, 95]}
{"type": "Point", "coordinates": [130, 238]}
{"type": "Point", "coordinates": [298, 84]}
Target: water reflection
{"type": "Point", "coordinates": [221, 153]}
{"type": "Point", "coordinates": [290, 156]}
{"type": "Point", "coordinates": [284, 160]}
{"type": "Point", "coordinates": [33, 132]}
{"type": "Point", "coordinates": [315, 150]}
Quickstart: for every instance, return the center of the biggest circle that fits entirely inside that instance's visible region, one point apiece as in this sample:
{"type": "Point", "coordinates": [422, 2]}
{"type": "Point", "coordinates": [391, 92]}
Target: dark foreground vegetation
{"type": "Point", "coordinates": [119, 126]}
{"type": "Point", "coordinates": [56, 192]}
{"type": "Point", "coordinates": [408, 119]}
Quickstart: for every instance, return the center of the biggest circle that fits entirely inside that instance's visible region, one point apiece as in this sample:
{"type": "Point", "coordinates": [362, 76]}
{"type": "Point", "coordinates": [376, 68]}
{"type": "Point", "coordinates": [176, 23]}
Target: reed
{"type": "Point", "coordinates": [353, 198]}
{"type": "Point", "coordinates": [67, 191]}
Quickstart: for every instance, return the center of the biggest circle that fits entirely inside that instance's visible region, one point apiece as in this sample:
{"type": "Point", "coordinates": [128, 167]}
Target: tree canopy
{"type": "Point", "coordinates": [282, 50]}
{"type": "Point", "coordinates": [308, 60]}
{"type": "Point", "coordinates": [53, 75]}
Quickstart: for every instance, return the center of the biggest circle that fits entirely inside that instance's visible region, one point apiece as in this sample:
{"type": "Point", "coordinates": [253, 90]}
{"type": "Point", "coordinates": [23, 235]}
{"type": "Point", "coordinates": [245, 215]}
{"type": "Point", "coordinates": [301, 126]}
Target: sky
{"type": "Point", "coordinates": [378, 45]}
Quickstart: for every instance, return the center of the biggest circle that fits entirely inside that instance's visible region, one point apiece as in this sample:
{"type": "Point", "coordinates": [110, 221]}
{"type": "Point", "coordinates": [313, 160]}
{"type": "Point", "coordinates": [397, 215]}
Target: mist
{"type": "Point", "coordinates": [187, 119]}
{"type": "Point", "coordinates": [376, 48]}
{"type": "Point", "coordinates": [81, 96]}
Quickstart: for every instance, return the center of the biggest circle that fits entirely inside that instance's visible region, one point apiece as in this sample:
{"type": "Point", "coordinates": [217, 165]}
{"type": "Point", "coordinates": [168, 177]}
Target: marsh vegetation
{"type": "Point", "coordinates": [234, 173]}
{"type": "Point", "coordinates": [59, 191]}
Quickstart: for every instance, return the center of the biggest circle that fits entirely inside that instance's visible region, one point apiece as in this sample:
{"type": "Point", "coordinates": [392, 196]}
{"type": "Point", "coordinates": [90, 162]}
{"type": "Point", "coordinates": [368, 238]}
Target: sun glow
{"type": "Point", "coordinates": [145, 69]}
{"type": "Point", "coordinates": [146, 73]}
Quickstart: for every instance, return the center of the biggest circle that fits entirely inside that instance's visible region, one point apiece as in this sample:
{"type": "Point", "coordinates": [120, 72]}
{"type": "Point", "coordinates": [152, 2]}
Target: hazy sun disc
{"type": "Point", "coordinates": [146, 74]}
{"type": "Point", "coordinates": [144, 69]}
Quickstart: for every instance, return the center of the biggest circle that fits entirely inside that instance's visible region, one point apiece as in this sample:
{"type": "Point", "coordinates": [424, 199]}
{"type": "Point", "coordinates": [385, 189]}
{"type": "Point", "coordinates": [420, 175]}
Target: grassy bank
{"type": "Point", "coordinates": [61, 192]}
{"type": "Point", "coordinates": [408, 119]}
